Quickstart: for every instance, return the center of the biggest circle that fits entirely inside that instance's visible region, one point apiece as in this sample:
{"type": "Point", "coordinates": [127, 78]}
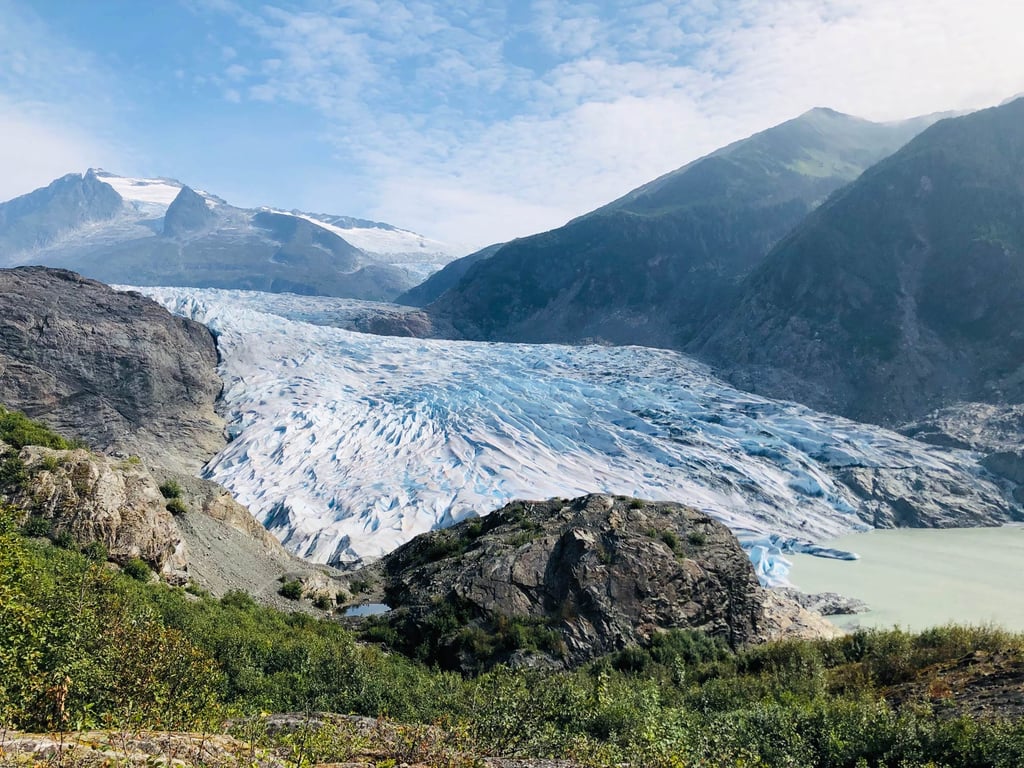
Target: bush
{"type": "Point", "coordinates": [322, 602]}
{"type": "Point", "coordinates": [291, 590]}
{"type": "Point", "coordinates": [171, 489]}
{"type": "Point", "coordinates": [138, 569]}
{"type": "Point", "coordinates": [12, 471]}
{"type": "Point", "coordinates": [176, 506]}
{"type": "Point", "coordinates": [17, 430]}
{"type": "Point", "coordinates": [96, 551]}
{"type": "Point", "coordinates": [37, 527]}
{"type": "Point", "coordinates": [65, 540]}
{"type": "Point", "coordinates": [670, 539]}
{"type": "Point", "coordinates": [50, 463]}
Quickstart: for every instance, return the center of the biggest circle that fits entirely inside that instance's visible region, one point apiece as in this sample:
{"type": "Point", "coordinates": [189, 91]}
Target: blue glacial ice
{"type": "Point", "coordinates": [347, 445]}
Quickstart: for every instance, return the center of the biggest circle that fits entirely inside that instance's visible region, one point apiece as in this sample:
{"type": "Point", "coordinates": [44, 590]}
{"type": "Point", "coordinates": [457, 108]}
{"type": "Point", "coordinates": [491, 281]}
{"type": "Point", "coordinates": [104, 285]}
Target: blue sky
{"type": "Point", "coordinates": [471, 121]}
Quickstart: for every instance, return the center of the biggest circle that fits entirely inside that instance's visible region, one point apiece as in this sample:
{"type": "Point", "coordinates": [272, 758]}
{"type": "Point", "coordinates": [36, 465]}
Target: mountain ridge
{"type": "Point", "coordinates": [652, 266]}
{"type": "Point", "coordinates": [901, 293]}
{"type": "Point", "coordinates": [162, 232]}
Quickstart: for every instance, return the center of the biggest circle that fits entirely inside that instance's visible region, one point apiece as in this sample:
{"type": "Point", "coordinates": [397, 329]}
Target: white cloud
{"type": "Point", "coordinates": [483, 120]}
{"type": "Point", "coordinates": [469, 146]}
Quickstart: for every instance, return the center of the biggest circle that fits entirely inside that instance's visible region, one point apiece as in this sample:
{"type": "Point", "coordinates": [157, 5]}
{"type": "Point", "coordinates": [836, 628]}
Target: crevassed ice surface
{"type": "Point", "coordinates": [347, 445]}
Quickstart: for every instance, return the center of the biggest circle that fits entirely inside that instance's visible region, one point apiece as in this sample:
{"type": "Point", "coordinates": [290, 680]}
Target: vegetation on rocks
{"type": "Point", "coordinates": [84, 647]}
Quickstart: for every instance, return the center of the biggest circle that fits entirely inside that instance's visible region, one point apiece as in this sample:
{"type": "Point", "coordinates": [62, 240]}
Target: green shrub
{"type": "Point", "coordinates": [138, 569]}
{"type": "Point", "coordinates": [12, 471]}
{"type": "Point", "coordinates": [96, 551]}
{"type": "Point", "coordinates": [322, 601]}
{"type": "Point", "coordinates": [17, 430]}
{"type": "Point", "coordinates": [696, 538]}
{"type": "Point", "coordinates": [670, 539]}
{"type": "Point", "coordinates": [291, 589]}
{"type": "Point", "coordinates": [176, 506]}
{"type": "Point", "coordinates": [50, 463]}
{"type": "Point", "coordinates": [65, 540]}
{"type": "Point", "coordinates": [358, 586]}
{"type": "Point", "coordinates": [37, 527]}
{"type": "Point", "coordinates": [171, 489]}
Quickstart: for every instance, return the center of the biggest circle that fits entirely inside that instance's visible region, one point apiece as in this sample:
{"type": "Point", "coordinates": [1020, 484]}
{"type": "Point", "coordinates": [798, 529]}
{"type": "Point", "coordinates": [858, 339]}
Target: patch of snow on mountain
{"type": "Point", "coordinates": [347, 445]}
{"type": "Point", "coordinates": [159, 192]}
{"type": "Point", "coordinates": [390, 241]}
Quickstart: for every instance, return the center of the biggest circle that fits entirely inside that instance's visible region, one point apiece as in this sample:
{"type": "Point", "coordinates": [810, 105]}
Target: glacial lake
{"type": "Point", "coordinates": [919, 578]}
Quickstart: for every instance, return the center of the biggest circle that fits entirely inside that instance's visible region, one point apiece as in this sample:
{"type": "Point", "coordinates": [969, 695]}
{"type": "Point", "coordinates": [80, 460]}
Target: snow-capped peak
{"type": "Point", "coordinates": [148, 191]}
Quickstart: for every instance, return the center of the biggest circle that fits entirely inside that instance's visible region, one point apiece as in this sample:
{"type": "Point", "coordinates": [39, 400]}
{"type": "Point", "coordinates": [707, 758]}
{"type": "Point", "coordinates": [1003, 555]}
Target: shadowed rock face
{"type": "Point", "coordinates": [188, 215]}
{"type": "Point", "coordinates": [651, 267]}
{"type": "Point", "coordinates": [900, 295]}
{"type": "Point", "coordinates": [604, 572]}
{"type": "Point", "coordinates": [113, 369]}
{"type": "Point", "coordinates": [39, 218]}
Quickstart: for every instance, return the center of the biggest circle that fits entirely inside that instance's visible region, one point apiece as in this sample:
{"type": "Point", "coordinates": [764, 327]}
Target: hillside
{"type": "Point", "coordinates": [113, 369]}
{"type": "Point", "coordinates": [96, 666]}
{"type": "Point", "coordinates": [650, 267]}
{"type": "Point", "coordinates": [902, 293]}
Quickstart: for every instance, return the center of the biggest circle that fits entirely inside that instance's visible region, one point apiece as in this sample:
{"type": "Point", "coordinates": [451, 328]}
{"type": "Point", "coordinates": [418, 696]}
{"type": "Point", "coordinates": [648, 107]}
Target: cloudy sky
{"type": "Point", "coordinates": [472, 121]}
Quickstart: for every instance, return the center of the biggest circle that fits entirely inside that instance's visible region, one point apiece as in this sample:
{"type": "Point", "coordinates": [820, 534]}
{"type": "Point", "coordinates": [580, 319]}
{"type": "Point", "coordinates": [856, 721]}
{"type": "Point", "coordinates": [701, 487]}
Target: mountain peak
{"type": "Point", "coordinates": [189, 213]}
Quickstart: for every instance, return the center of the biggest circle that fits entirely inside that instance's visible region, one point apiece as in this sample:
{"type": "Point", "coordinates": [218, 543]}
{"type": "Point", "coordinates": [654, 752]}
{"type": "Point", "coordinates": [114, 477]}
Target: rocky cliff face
{"type": "Point", "coordinates": [113, 369]}
{"type": "Point", "coordinates": [42, 217]}
{"type": "Point", "coordinates": [188, 215]}
{"type": "Point", "coordinates": [99, 499]}
{"type": "Point", "coordinates": [574, 580]}
{"type": "Point", "coordinates": [209, 539]}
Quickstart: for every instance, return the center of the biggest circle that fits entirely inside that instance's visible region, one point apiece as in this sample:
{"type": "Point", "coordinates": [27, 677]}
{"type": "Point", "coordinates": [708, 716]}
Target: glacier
{"type": "Point", "coordinates": [346, 445]}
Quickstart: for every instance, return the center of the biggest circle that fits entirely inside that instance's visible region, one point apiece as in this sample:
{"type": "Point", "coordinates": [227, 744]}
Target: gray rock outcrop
{"type": "Point", "coordinates": [602, 572]}
{"type": "Point", "coordinates": [188, 215]}
{"type": "Point", "coordinates": [113, 369]}
{"type": "Point", "coordinates": [100, 499]}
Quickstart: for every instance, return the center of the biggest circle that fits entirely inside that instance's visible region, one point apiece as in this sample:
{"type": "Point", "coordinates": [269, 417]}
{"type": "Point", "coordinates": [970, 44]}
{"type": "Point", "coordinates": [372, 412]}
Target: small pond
{"type": "Point", "coordinates": [367, 609]}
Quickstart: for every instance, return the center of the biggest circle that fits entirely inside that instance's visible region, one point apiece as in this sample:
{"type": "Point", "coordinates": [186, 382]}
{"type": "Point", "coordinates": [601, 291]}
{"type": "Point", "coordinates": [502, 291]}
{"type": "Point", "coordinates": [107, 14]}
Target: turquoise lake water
{"type": "Point", "coordinates": [918, 578]}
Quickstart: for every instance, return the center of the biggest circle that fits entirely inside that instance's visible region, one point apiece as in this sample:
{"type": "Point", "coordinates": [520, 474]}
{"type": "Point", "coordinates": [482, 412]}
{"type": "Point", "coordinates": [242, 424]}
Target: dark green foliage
{"type": "Point", "coordinates": [358, 586]}
{"type": "Point", "coordinates": [171, 489]}
{"type": "Point", "coordinates": [65, 540]}
{"type": "Point", "coordinates": [17, 430]}
{"type": "Point", "coordinates": [323, 602]}
{"type": "Point", "coordinates": [696, 538]}
{"type": "Point", "coordinates": [84, 647]}
{"type": "Point", "coordinates": [12, 471]}
{"type": "Point", "coordinates": [37, 527]}
{"type": "Point", "coordinates": [670, 539]}
{"type": "Point", "coordinates": [176, 506]}
{"type": "Point", "coordinates": [291, 590]}
{"type": "Point", "coordinates": [80, 647]}
{"type": "Point", "coordinates": [137, 569]}
{"type": "Point", "coordinates": [96, 551]}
